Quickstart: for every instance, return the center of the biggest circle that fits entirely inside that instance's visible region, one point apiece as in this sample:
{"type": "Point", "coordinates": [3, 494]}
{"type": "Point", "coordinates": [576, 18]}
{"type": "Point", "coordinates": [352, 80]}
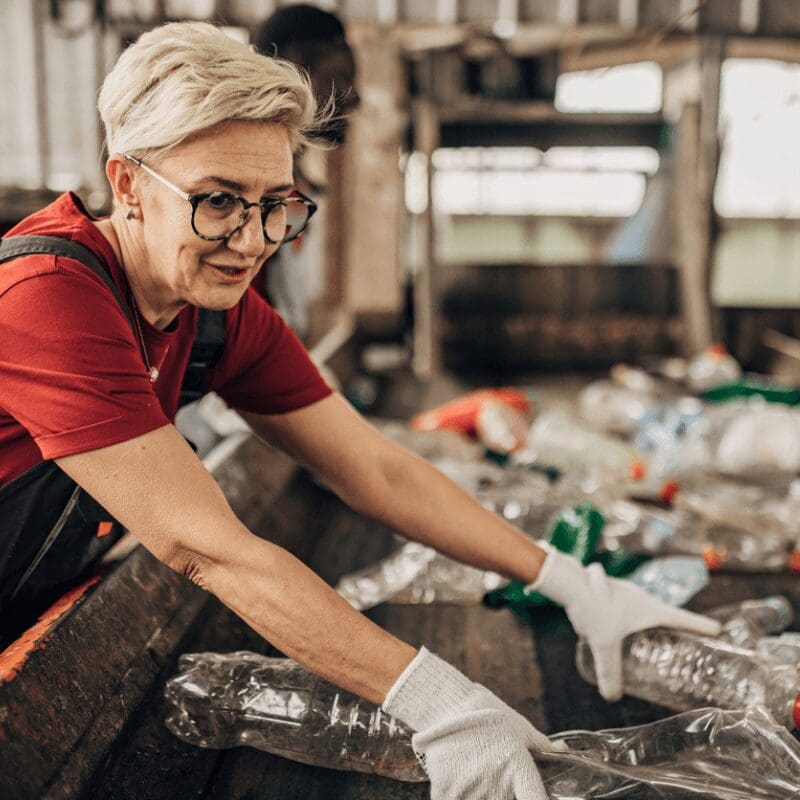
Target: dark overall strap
{"type": "Point", "coordinates": [209, 342]}
{"type": "Point", "coordinates": [206, 350]}
{"type": "Point", "coordinates": [18, 246]}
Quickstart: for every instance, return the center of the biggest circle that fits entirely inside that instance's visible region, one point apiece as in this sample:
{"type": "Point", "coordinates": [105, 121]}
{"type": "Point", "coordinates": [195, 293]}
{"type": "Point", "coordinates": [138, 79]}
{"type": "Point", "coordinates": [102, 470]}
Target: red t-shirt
{"type": "Point", "coordinates": [72, 375]}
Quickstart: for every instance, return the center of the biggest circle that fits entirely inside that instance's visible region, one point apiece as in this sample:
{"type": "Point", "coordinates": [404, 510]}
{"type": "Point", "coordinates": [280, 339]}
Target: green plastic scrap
{"type": "Point", "coordinates": [754, 386]}
{"type": "Point", "coordinates": [576, 531]}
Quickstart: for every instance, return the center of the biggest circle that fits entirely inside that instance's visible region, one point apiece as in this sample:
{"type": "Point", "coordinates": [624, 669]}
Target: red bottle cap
{"type": "Point", "coordinates": [796, 712]}
{"type": "Point", "coordinates": [668, 492]}
{"type": "Point", "coordinates": [718, 350]}
{"type": "Point", "coordinates": [713, 558]}
{"type": "Point", "coordinates": [637, 470]}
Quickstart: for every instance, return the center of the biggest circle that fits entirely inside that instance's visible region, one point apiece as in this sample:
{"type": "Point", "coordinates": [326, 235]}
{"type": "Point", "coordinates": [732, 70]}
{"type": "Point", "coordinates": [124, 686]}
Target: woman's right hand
{"type": "Point", "coordinates": [472, 745]}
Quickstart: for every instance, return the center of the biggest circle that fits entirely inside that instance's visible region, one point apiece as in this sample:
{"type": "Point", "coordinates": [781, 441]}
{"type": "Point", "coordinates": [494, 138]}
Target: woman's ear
{"type": "Point", "coordinates": [123, 180]}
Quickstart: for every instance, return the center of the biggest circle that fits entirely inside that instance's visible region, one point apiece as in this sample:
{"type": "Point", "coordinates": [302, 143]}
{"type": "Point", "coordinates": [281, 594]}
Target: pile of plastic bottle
{"type": "Point", "coordinates": [273, 704]}
{"type": "Point", "coordinates": [659, 475]}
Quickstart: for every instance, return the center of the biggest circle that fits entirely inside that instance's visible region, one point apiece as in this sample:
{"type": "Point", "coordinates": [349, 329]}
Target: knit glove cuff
{"type": "Point", "coordinates": [427, 690]}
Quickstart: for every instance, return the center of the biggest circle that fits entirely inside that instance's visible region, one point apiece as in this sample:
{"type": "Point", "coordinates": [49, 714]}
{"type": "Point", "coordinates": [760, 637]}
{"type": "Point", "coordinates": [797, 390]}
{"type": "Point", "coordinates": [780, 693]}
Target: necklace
{"type": "Point", "coordinates": [152, 371]}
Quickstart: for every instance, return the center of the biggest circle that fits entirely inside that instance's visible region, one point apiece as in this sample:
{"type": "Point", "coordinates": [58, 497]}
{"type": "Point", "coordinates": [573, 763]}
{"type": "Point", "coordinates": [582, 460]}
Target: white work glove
{"type": "Point", "coordinates": [472, 745]}
{"type": "Point", "coordinates": [604, 610]}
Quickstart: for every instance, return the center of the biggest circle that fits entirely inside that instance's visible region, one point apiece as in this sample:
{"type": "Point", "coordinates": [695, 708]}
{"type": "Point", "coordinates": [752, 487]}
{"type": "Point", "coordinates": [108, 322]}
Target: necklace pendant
{"type": "Point", "coordinates": [152, 373]}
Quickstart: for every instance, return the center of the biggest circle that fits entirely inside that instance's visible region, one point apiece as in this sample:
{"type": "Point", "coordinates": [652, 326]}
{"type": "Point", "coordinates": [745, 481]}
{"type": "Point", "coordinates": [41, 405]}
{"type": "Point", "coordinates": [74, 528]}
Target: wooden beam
{"type": "Point", "coordinates": [756, 47]}
{"type": "Point", "coordinates": [648, 47]}
{"type": "Point", "coordinates": [427, 357]}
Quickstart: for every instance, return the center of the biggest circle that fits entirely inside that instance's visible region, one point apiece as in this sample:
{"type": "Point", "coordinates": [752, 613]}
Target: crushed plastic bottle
{"type": "Point", "coordinates": [784, 649]}
{"type": "Point", "coordinates": [448, 581]}
{"type": "Point", "coordinates": [763, 439]}
{"type": "Point", "coordinates": [501, 428]}
{"type": "Point", "coordinates": [377, 583]}
{"type": "Point", "coordinates": [641, 529]}
{"type": "Point", "coordinates": [733, 504]}
{"type": "Point", "coordinates": [633, 378]}
{"type": "Point", "coordinates": [710, 753]}
{"type": "Point", "coordinates": [682, 671]}
{"type": "Point", "coordinates": [609, 407]}
{"type": "Point", "coordinates": [674, 580]}
{"type": "Point", "coordinates": [711, 367]}
{"type": "Point", "coordinates": [748, 621]}
{"type": "Point", "coordinates": [561, 441]}
{"type": "Point", "coordinates": [414, 575]}
{"type": "Point", "coordinates": [274, 704]}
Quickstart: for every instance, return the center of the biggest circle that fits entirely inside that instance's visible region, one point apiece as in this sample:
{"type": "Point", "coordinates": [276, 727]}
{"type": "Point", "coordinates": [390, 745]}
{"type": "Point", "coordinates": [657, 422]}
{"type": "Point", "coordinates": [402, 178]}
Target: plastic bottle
{"type": "Point", "coordinates": [561, 441]}
{"type": "Point", "coordinates": [610, 407]}
{"type": "Point", "coordinates": [763, 439]}
{"type": "Point", "coordinates": [501, 428]}
{"type": "Point", "coordinates": [633, 378]}
{"type": "Point", "coordinates": [681, 671]}
{"type": "Point", "coordinates": [635, 528]}
{"type": "Point", "coordinates": [737, 505]}
{"type": "Point", "coordinates": [746, 622]}
{"type": "Point", "coordinates": [710, 752]}
{"type": "Point", "coordinates": [784, 649]}
{"type": "Point", "coordinates": [276, 705]}
{"type": "Point", "coordinates": [448, 581]}
{"type": "Point", "coordinates": [711, 367]}
{"type": "Point", "coordinates": [377, 583]}
{"type": "Point", "coordinates": [672, 579]}
{"type": "Point", "coordinates": [461, 414]}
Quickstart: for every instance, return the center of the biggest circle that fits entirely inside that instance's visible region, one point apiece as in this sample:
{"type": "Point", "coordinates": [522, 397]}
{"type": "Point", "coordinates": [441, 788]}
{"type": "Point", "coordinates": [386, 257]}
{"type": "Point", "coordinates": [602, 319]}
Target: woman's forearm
{"type": "Point", "coordinates": [416, 499]}
{"type": "Point", "coordinates": [303, 617]}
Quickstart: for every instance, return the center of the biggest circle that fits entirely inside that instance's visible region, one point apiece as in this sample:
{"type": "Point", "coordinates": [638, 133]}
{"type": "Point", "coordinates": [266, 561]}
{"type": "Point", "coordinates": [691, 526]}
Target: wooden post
{"type": "Point", "coordinates": [336, 221]}
{"type": "Point", "coordinates": [696, 172]}
{"type": "Point", "coordinates": [373, 184]}
{"type": "Point", "coordinates": [427, 339]}
{"type": "Point", "coordinates": [712, 54]}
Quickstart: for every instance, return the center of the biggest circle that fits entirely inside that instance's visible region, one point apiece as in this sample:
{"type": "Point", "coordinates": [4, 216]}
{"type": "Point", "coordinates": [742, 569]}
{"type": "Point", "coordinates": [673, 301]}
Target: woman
{"type": "Point", "coordinates": [200, 132]}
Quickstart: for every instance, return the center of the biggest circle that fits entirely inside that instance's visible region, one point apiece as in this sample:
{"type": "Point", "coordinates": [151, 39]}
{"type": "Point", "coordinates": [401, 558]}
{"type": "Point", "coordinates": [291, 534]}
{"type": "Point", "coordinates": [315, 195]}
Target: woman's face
{"type": "Point", "coordinates": [250, 159]}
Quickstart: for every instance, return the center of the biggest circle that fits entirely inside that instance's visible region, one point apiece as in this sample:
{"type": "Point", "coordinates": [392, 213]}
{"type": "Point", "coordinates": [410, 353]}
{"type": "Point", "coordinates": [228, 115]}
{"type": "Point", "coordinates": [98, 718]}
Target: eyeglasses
{"type": "Point", "coordinates": [218, 215]}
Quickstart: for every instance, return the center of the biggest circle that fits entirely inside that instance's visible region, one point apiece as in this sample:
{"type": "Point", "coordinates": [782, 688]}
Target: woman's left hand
{"type": "Point", "coordinates": [604, 610]}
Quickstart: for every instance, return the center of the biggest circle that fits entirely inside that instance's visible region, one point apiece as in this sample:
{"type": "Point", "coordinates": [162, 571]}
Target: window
{"type": "Point", "coordinates": [759, 126]}
{"type": "Point", "coordinates": [634, 88]}
{"type": "Point", "coordinates": [565, 181]}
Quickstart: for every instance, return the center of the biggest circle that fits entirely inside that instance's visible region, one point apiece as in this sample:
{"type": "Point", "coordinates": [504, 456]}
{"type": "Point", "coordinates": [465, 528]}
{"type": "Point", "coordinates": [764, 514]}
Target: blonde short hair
{"type": "Point", "coordinates": [183, 77]}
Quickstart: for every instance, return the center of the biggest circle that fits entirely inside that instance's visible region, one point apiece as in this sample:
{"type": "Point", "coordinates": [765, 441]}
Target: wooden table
{"type": "Point", "coordinates": [532, 668]}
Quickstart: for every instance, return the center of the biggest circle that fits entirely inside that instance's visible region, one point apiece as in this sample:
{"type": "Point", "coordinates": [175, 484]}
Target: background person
{"type": "Point", "coordinates": [315, 40]}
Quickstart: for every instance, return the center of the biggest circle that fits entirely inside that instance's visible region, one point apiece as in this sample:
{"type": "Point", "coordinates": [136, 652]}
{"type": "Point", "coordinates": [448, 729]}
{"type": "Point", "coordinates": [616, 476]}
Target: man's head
{"type": "Point", "coordinates": [315, 40]}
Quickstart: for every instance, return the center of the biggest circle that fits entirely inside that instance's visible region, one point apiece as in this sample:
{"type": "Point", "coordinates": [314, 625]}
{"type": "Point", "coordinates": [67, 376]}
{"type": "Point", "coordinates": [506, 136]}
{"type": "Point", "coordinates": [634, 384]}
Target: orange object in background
{"type": "Point", "coordinates": [462, 414]}
{"type": "Point", "coordinates": [714, 558]}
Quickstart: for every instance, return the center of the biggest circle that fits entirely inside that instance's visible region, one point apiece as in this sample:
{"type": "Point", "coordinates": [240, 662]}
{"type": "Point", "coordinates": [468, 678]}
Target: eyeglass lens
{"type": "Point", "coordinates": [221, 214]}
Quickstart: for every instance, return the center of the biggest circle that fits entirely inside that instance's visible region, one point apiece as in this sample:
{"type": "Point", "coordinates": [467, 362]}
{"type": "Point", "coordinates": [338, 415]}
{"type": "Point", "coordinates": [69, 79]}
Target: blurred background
{"type": "Point", "coordinates": [525, 185]}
